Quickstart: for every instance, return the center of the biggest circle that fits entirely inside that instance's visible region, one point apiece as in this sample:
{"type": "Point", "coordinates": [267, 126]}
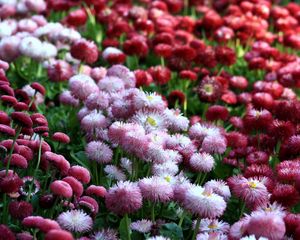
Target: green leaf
{"type": "Point", "coordinates": [123, 228]}
{"type": "Point", "coordinates": [172, 230]}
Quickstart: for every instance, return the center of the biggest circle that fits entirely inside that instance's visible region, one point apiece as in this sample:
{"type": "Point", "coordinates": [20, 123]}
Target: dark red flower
{"type": "Point", "coordinates": [263, 100]}
{"type": "Point", "coordinates": [281, 129]}
{"type": "Point", "coordinates": [238, 82]}
{"type": "Point", "coordinates": [10, 183]}
{"type": "Point", "coordinates": [4, 129]}
{"type": "Point", "coordinates": [4, 118]}
{"type": "Point", "coordinates": [46, 201]}
{"type": "Point", "coordinates": [209, 90]}
{"type": "Point", "coordinates": [6, 233]}
{"type": "Point", "coordinates": [8, 100]}
{"type": "Point", "coordinates": [285, 194]}
{"type": "Point", "coordinates": [16, 160]}
{"type": "Point", "coordinates": [185, 52]}
{"type": "Point", "coordinates": [292, 222]}
{"type": "Point", "coordinates": [188, 74]}
{"type": "Point", "coordinates": [161, 75]}
{"type": "Point", "coordinates": [223, 34]}
{"type": "Point", "coordinates": [76, 18]}
{"type": "Point", "coordinates": [254, 119]}
{"type": "Point", "coordinates": [217, 112]}
{"type": "Point", "coordinates": [60, 137]}
{"type": "Point", "coordinates": [212, 20]}
{"type": "Point", "coordinates": [236, 140]}
{"type": "Point", "coordinates": [38, 87]}
{"type": "Point", "coordinates": [20, 106]}
{"type": "Point", "coordinates": [225, 55]}
{"type": "Point", "coordinates": [206, 57]}
{"type": "Point", "coordinates": [136, 46]}
{"type": "Point", "coordinates": [163, 50]}
{"type": "Point", "coordinates": [258, 170]}
{"type": "Point", "coordinates": [22, 119]}
{"type": "Point", "coordinates": [143, 78]}
{"type": "Point", "coordinates": [85, 51]}
{"type": "Point", "coordinates": [176, 96]}
{"type": "Point", "coordinates": [257, 157]}
{"type": "Point", "coordinates": [20, 209]}
{"type": "Point", "coordinates": [59, 71]}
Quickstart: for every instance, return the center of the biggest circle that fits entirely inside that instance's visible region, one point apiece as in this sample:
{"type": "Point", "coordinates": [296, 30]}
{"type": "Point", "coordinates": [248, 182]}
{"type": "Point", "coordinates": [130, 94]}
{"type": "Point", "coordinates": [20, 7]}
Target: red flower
{"type": "Point", "coordinates": [176, 96]}
{"type": "Point", "coordinates": [188, 74]}
{"type": "Point", "coordinates": [57, 234]}
{"type": "Point", "coordinates": [212, 20]}
{"type": "Point", "coordinates": [60, 137]}
{"type": "Point", "coordinates": [10, 183]}
{"type": "Point", "coordinates": [20, 209]}
{"type": "Point", "coordinates": [209, 90]}
{"type": "Point", "coordinates": [6, 233]}
{"type": "Point", "coordinates": [59, 71]}
{"type": "Point", "coordinates": [163, 50]}
{"type": "Point", "coordinates": [217, 112]}
{"type": "Point", "coordinates": [143, 78]}
{"type": "Point", "coordinates": [136, 46]}
{"type": "Point", "coordinates": [185, 52]}
{"type": "Point", "coordinates": [225, 55]}
{"type": "Point", "coordinates": [263, 100]}
{"type": "Point", "coordinates": [257, 157]}
{"type": "Point", "coordinates": [85, 51]}
{"type": "Point", "coordinates": [76, 18]}
{"type": "Point", "coordinates": [285, 194]}
{"type": "Point", "coordinates": [4, 129]}
{"type": "Point", "coordinates": [22, 119]}
{"type": "Point", "coordinates": [46, 201]}
{"type": "Point", "coordinates": [161, 75]}
{"type": "Point", "coordinates": [207, 57]}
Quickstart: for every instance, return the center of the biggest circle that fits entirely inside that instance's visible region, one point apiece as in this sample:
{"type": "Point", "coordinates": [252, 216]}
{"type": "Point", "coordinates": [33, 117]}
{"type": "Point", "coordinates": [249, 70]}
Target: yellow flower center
{"type": "Point", "coordinates": [168, 178]}
{"type": "Point", "coordinates": [151, 121]}
{"type": "Point", "coordinates": [252, 185]}
{"type": "Point", "coordinates": [212, 226]}
{"type": "Point", "coordinates": [150, 97]}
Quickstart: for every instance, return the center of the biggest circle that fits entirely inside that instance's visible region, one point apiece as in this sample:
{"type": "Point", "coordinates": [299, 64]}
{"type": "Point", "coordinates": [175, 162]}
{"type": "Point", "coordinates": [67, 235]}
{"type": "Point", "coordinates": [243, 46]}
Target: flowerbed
{"type": "Point", "coordinates": [149, 120]}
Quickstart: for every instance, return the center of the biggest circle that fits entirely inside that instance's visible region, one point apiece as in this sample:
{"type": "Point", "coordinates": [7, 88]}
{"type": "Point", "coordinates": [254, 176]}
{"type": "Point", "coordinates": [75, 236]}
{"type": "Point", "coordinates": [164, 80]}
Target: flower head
{"type": "Point", "coordinates": [75, 221]}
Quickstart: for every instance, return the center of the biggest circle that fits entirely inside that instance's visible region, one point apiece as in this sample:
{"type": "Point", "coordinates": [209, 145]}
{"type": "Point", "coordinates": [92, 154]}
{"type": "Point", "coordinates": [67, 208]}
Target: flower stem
{"type": "Point", "coordinates": [242, 209]}
{"type": "Point", "coordinates": [181, 219]}
{"type": "Point", "coordinates": [196, 229]}
{"type": "Point", "coordinates": [128, 227]}
{"type": "Point", "coordinates": [12, 148]}
{"type": "Point", "coordinates": [153, 212]}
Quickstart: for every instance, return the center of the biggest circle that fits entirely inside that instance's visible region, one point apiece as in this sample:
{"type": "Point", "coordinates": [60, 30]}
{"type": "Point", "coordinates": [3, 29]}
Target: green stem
{"type": "Point", "coordinates": [128, 227]}
{"type": "Point", "coordinates": [181, 219]}
{"type": "Point", "coordinates": [203, 178]}
{"type": "Point", "coordinates": [12, 148]}
{"type": "Point", "coordinates": [242, 209]}
{"type": "Point", "coordinates": [5, 209]}
{"type": "Point", "coordinates": [196, 229]}
{"type": "Point", "coordinates": [153, 212]}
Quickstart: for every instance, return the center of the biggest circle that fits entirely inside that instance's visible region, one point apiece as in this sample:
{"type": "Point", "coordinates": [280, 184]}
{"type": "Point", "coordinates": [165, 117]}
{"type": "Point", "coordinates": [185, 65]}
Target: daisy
{"type": "Point", "coordinates": [99, 152]}
{"type": "Point", "coordinates": [219, 187]}
{"type": "Point", "coordinates": [150, 120]}
{"type": "Point", "coordinates": [176, 120]}
{"type": "Point", "coordinates": [105, 234]}
{"type": "Point", "coordinates": [213, 225]}
{"type": "Point", "coordinates": [156, 189]}
{"type": "Point", "coordinates": [204, 203]}
{"type": "Point", "coordinates": [143, 226]}
{"type": "Point", "coordinates": [75, 221]}
{"type": "Point", "coordinates": [114, 172]}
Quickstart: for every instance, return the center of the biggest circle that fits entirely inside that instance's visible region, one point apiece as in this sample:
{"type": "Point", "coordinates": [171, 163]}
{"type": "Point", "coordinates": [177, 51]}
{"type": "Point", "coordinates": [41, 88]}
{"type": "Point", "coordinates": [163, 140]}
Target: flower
{"type": "Point", "coordinates": [20, 209]}
{"type": "Point", "coordinates": [80, 173]}
{"type": "Point", "coordinates": [266, 224]}
{"type": "Point", "coordinates": [124, 198]}
{"type": "Point", "coordinates": [150, 120]}
{"type": "Point", "coordinates": [202, 162]}
{"type": "Point", "coordinates": [204, 203]}
{"type": "Point", "coordinates": [85, 51]}
{"type": "Point", "coordinates": [214, 144]}
{"type": "Point", "coordinates": [219, 187]}
{"type": "Point", "coordinates": [156, 189]}
{"type": "Point", "coordinates": [61, 188]}
{"type": "Point", "coordinates": [143, 226]}
{"type": "Point", "coordinates": [57, 234]}
{"type": "Point", "coordinates": [6, 233]}
{"type": "Point", "coordinates": [114, 172]}
{"type": "Point", "coordinates": [213, 225]}
{"type": "Point", "coordinates": [75, 221]}
{"type": "Point", "coordinates": [251, 190]}
{"type": "Point", "coordinates": [99, 152]}
{"type": "Point", "coordinates": [105, 234]}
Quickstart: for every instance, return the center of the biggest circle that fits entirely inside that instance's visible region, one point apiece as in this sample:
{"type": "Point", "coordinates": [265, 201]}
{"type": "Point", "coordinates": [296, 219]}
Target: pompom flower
{"type": "Point", "coordinates": [124, 198]}
{"type": "Point", "coordinates": [75, 221]}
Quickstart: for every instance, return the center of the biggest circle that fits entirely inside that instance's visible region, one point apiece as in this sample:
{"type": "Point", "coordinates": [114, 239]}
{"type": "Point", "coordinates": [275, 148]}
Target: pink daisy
{"type": "Point", "coordinates": [156, 189]}
{"type": "Point", "coordinates": [99, 152]}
